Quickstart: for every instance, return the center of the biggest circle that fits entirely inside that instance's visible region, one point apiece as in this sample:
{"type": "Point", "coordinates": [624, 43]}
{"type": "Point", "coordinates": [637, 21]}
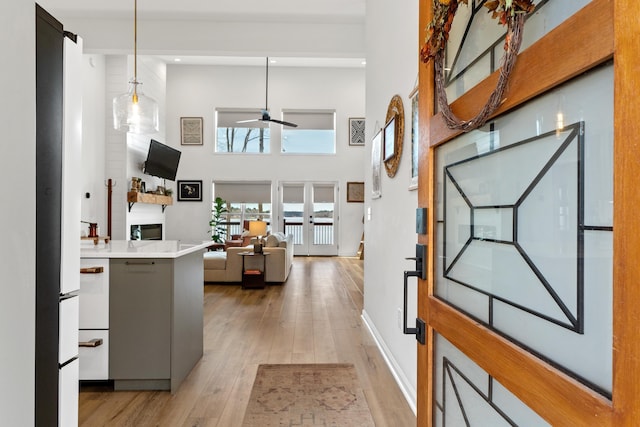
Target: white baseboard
{"type": "Point", "coordinates": [405, 385]}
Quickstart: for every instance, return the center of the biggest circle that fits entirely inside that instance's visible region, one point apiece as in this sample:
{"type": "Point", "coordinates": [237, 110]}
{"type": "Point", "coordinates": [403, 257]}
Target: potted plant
{"type": "Point", "coordinates": [218, 229]}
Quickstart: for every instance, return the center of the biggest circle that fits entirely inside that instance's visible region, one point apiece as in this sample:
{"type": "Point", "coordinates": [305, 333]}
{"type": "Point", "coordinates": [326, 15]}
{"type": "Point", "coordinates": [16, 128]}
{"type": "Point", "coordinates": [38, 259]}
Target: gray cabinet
{"type": "Point", "coordinates": [156, 326]}
{"type": "Point", "coordinates": [140, 321]}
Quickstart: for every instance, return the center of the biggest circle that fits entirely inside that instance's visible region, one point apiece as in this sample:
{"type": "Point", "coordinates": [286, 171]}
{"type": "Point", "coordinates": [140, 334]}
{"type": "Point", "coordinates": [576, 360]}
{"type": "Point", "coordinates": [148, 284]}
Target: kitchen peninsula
{"type": "Point", "coordinates": [154, 323]}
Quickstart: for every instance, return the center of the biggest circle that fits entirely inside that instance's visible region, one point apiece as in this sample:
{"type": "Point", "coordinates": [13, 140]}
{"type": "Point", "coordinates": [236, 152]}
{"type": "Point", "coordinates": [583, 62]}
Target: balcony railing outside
{"type": "Point", "coordinates": [322, 230]}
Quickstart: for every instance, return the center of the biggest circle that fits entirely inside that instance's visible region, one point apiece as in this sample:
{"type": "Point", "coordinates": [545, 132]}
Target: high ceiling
{"type": "Point", "coordinates": [297, 32]}
{"type": "Point", "coordinates": [210, 9]}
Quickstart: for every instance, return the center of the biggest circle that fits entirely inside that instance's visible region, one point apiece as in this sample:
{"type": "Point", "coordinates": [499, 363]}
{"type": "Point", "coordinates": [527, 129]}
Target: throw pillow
{"type": "Point", "coordinates": [272, 241]}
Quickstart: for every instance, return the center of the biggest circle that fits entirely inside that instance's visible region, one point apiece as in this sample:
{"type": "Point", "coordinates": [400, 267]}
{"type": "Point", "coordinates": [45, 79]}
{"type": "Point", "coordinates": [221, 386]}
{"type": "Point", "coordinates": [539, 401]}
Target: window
{"type": "Point", "coordinates": [315, 134]}
{"type": "Point", "coordinates": [234, 137]}
{"type": "Point", "coordinates": [246, 201]}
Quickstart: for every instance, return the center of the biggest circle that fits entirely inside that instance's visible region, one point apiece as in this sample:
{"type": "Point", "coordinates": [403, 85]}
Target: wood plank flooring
{"type": "Point", "coordinates": [313, 318]}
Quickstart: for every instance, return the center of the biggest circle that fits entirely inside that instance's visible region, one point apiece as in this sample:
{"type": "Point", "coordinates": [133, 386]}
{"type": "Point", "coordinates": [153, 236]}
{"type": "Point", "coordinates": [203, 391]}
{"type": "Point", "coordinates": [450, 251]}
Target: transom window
{"type": "Point", "coordinates": [247, 137]}
{"type": "Point", "coordinates": [315, 134]}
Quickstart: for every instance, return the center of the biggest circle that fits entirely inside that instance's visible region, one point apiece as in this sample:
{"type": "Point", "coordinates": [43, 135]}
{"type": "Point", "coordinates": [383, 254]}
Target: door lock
{"type": "Point", "coordinates": [420, 272]}
{"type": "Point", "coordinates": [420, 258]}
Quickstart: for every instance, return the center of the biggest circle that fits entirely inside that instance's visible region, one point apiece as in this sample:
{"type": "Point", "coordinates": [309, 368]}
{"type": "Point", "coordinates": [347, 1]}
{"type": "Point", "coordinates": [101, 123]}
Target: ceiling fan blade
{"type": "Point", "coordinates": [266, 117]}
{"type": "Point", "coordinates": [293, 125]}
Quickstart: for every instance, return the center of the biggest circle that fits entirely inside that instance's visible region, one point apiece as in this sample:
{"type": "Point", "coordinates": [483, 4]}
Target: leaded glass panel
{"type": "Point", "coordinates": [475, 45]}
{"type": "Point", "coordinates": [466, 395]}
{"type": "Point", "coordinates": [524, 226]}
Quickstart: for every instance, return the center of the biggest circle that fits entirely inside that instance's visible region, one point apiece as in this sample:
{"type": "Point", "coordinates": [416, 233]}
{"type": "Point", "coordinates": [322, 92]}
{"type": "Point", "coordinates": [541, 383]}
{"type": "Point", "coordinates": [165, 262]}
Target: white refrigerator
{"type": "Point", "coordinates": [70, 234]}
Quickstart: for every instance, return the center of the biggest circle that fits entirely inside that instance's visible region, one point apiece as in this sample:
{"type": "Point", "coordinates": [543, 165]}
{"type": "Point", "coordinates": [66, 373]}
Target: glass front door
{"type": "Point", "coordinates": [309, 215]}
{"type": "Point", "coordinates": [529, 302]}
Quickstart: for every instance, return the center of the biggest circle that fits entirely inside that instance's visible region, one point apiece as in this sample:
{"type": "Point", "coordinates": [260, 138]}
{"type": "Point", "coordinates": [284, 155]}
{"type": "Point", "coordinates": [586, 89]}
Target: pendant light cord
{"type": "Point", "coordinates": [135, 51]}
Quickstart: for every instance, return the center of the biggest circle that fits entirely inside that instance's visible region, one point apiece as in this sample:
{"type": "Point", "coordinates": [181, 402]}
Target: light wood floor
{"type": "Point", "coordinates": [313, 318]}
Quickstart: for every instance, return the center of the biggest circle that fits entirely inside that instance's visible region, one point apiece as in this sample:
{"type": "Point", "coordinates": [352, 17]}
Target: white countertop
{"type": "Point", "coordinates": [140, 249]}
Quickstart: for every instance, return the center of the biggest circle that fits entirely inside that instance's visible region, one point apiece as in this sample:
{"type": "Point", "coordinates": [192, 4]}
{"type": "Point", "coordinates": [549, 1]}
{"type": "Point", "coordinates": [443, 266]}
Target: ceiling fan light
{"type": "Point", "coordinates": [135, 112]}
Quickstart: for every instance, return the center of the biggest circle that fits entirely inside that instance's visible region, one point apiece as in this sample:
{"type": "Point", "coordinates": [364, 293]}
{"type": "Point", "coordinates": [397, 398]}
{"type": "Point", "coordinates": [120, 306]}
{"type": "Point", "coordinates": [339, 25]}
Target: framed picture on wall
{"type": "Point", "coordinates": [355, 192]}
{"type": "Point", "coordinates": [190, 191]}
{"type": "Point", "coordinates": [415, 138]}
{"type": "Point", "coordinates": [191, 130]}
{"type": "Point", "coordinates": [389, 139]}
{"type": "Point", "coordinates": [356, 131]}
{"type": "Point", "coordinates": [376, 160]}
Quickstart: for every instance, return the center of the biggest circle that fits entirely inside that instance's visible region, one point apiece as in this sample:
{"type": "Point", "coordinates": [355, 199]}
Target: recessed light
{"type": "Point", "coordinates": [177, 60]}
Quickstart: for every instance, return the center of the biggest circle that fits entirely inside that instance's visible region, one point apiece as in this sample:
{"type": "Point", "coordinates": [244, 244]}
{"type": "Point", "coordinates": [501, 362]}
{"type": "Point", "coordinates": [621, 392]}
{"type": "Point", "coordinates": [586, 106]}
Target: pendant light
{"type": "Point", "coordinates": [133, 111]}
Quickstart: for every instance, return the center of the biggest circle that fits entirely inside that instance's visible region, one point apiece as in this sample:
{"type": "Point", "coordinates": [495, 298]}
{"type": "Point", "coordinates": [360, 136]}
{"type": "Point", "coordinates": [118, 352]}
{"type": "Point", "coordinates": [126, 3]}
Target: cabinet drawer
{"type": "Point", "coordinates": [94, 361]}
{"type": "Point", "coordinates": [94, 294]}
{"type": "Point", "coordinates": [68, 326]}
{"type": "Point", "coordinates": [68, 395]}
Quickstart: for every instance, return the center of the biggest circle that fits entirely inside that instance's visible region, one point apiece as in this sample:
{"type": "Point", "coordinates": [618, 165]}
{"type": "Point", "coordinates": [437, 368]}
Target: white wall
{"type": "Point", "coordinates": [94, 208]}
{"type": "Point", "coordinates": [198, 90]}
{"type": "Point", "coordinates": [17, 216]}
{"type": "Point", "coordinates": [392, 68]}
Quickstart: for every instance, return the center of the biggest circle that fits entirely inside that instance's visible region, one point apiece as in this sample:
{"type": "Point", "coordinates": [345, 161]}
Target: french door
{"type": "Point", "coordinates": [309, 214]}
{"type": "Point", "coordinates": [530, 298]}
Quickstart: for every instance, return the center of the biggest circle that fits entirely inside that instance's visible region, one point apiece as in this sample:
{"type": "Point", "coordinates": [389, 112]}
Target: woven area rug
{"type": "Point", "coordinates": [307, 395]}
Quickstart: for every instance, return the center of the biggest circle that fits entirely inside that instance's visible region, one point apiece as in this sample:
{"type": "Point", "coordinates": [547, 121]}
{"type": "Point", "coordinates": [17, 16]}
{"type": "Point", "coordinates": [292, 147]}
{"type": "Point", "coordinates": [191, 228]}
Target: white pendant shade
{"type": "Point", "coordinates": [135, 112]}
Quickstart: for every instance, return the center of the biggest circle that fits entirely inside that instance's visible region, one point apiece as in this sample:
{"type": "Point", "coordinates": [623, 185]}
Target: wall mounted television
{"type": "Point", "coordinates": [162, 161]}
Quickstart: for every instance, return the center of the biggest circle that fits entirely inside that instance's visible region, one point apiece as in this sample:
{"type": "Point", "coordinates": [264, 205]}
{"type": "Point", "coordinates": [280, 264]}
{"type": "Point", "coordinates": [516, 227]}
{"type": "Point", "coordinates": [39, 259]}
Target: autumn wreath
{"type": "Point", "coordinates": [508, 12]}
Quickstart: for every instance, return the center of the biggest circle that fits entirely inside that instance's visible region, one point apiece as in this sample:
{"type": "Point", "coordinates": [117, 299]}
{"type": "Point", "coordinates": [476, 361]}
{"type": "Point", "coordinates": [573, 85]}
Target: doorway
{"type": "Point", "coordinates": [309, 214]}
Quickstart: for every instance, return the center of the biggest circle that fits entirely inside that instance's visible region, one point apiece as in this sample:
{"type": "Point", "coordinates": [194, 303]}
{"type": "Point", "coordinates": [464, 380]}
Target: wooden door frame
{"type": "Point", "coordinates": [609, 28]}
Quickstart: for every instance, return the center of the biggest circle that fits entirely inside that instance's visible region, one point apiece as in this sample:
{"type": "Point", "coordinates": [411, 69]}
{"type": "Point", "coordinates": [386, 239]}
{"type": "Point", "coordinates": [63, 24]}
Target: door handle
{"type": "Point", "coordinates": [406, 330]}
{"type": "Point", "coordinates": [96, 342]}
{"type": "Point", "coordinates": [419, 272]}
{"type": "Point", "coordinates": [92, 270]}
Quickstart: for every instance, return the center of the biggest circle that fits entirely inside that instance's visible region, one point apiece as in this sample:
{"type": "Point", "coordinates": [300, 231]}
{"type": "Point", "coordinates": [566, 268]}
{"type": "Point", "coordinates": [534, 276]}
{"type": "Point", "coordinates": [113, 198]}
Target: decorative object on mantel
{"type": "Point", "coordinates": [133, 111]}
{"type": "Point", "coordinates": [190, 191]}
{"type": "Point", "coordinates": [511, 13]}
{"type": "Point", "coordinates": [191, 130]}
{"type": "Point", "coordinates": [136, 184]}
{"type": "Point", "coordinates": [356, 131]}
{"type": "Point", "coordinates": [395, 118]}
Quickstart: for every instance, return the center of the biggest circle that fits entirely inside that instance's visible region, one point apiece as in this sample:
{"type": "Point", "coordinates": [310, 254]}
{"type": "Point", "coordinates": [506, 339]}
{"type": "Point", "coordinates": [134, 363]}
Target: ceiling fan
{"type": "Point", "coordinates": [266, 117]}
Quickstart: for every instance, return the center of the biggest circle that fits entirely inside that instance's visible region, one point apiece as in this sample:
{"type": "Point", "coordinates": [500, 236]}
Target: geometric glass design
{"type": "Point", "coordinates": [464, 402]}
{"type": "Point", "coordinates": [496, 208]}
{"type": "Point", "coordinates": [465, 395]}
{"type": "Point", "coordinates": [475, 45]}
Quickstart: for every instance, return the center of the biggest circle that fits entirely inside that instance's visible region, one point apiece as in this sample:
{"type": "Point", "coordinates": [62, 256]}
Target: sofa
{"type": "Point", "coordinates": [226, 266]}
